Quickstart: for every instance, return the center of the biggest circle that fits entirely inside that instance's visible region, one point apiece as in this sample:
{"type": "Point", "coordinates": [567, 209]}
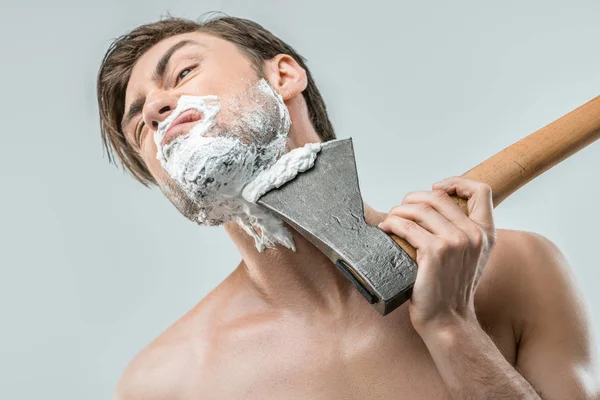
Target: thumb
{"type": "Point", "coordinates": [477, 194]}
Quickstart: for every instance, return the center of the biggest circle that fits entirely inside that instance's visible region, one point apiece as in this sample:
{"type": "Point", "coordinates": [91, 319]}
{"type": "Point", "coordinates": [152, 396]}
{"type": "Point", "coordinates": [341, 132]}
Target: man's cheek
{"type": "Point", "coordinates": [149, 156]}
{"type": "Point", "coordinates": [157, 171]}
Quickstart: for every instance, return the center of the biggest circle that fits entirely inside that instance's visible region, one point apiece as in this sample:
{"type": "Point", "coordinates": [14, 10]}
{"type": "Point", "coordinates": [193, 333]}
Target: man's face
{"type": "Point", "coordinates": [227, 114]}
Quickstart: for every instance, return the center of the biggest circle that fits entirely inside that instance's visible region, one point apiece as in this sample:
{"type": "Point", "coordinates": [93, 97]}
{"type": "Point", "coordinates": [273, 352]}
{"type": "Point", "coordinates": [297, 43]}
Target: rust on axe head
{"type": "Point", "coordinates": [324, 205]}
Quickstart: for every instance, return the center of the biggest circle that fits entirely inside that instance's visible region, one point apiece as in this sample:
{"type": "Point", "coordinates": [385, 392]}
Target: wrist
{"type": "Point", "coordinates": [448, 330]}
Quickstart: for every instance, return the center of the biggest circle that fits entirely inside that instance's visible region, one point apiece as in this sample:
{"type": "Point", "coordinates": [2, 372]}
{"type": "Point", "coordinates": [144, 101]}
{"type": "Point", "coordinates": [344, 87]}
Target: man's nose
{"type": "Point", "coordinates": [159, 106]}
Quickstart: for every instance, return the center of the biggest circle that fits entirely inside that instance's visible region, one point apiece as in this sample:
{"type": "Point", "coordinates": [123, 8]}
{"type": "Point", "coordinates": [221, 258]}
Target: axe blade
{"type": "Point", "coordinates": [324, 204]}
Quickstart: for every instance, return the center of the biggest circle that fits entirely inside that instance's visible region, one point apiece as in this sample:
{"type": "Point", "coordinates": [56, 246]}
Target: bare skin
{"type": "Point", "coordinates": [287, 325]}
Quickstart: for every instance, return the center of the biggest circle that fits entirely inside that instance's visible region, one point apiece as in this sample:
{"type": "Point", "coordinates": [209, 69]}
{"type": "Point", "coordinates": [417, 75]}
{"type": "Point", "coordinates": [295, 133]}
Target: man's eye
{"type": "Point", "coordinates": [183, 74]}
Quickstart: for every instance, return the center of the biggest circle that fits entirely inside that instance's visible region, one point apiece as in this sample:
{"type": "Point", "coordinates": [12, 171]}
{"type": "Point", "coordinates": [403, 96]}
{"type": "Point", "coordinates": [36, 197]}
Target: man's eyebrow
{"type": "Point", "coordinates": [161, 67]}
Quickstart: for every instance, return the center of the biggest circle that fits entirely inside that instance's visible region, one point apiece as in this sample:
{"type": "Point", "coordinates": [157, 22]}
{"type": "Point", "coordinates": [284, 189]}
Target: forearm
{"type": "Point", "coordinates": [471, 365]}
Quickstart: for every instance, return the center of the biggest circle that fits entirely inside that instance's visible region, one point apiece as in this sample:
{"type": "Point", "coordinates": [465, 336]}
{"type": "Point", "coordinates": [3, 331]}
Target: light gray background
{"type": "Point", "coordinates": [426, 89]}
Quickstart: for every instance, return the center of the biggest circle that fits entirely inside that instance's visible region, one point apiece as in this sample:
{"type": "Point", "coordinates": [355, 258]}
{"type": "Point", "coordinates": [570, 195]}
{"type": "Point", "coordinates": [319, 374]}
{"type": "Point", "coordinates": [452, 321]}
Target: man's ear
{"type": "Point", "coordinates": [286, 76]}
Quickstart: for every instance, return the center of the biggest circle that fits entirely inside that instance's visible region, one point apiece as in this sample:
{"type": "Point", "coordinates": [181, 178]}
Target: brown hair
{"type": "Point", "coordinates": [255, 42]}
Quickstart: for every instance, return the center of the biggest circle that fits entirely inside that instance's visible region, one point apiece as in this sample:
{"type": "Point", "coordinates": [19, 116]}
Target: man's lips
{"type": "Point", "coordinates": [182, 124]}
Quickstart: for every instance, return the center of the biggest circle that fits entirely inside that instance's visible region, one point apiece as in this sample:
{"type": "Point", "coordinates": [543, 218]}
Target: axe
{"type": "Point", "coordinates": [324, 204]}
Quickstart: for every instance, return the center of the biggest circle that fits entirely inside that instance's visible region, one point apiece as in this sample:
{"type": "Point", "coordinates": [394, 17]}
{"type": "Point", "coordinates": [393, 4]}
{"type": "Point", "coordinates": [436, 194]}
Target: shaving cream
{"type": "Point", "coordinates": [216, 160]}
{"type": "Point", "coordinates": [283, 171]}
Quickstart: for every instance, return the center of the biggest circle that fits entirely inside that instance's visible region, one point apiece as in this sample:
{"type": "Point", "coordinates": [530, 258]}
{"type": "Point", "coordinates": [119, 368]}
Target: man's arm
{"type": "Point", "coordinates": [472, 367]}
{"type": "Point", "coordinates": [555, 355]}
{"type": "Point", "coordinates": [453, 249]}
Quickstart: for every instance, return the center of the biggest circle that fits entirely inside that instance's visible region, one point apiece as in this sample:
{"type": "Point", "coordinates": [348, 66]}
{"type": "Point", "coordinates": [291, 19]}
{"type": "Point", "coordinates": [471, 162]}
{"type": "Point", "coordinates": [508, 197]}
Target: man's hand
{"type": "Point", "coordinates": [452, 249]}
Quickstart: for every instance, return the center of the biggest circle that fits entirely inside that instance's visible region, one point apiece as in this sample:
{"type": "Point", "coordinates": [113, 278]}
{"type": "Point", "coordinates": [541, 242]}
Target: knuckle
{"type": "Point", "coordinates": [407, 197]}
{"type": "Point", "coordinates": [409, 225]}
{"type": "Point", "coordinates": [395, 210]}
{"type": "Point", "coordinates": [390, 219]}
{"type": "Point", "coordinates": [439, 194]}
{"type": "Point", "coordinates": [484, 188]}
{"type": "Point", "coordinates": [458, 241]}
{"type": "Point", "coordinates": [424, 207]}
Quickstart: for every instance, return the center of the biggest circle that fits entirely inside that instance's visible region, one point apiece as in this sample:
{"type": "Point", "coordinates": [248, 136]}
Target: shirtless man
{"type": "Point", "coordinates": [493, 315]}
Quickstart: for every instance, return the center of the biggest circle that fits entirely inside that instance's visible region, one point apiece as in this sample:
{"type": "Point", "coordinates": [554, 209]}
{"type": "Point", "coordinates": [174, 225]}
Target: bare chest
{"type": "Point", "coordinates": [313, 361]}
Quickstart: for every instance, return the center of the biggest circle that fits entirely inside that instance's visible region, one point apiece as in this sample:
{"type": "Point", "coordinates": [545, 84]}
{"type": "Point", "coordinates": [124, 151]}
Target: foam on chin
{"type": "Point", "coordinates": [213, 163]}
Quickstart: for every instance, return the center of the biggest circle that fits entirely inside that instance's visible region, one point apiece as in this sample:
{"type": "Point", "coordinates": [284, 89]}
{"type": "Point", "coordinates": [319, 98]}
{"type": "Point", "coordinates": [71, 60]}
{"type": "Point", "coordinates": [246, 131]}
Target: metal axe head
{"type": "Point", "coordinates": [324, 205]}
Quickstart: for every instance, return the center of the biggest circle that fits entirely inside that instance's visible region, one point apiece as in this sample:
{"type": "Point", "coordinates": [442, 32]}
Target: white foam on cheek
{"type": "Point", "coordinates": [212, 165]}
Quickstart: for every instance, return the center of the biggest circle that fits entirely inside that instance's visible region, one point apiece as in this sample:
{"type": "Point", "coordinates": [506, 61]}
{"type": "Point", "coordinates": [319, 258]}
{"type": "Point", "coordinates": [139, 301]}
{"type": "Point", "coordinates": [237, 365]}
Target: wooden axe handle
{"type": "Point", "coordinates": [531, 156]}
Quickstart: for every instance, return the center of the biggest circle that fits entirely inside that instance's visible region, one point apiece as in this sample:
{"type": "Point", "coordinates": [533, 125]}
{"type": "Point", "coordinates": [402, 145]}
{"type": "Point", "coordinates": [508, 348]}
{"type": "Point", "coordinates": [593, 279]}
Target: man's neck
{"type": "Point", "coordinates": [304, 279]}
{"type": "Point", "coordinates": [300, 280]}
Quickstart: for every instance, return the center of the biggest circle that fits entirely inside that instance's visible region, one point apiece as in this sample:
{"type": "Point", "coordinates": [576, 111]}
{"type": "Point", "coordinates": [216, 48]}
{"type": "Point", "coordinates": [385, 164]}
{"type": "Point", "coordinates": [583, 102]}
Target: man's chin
{"type": "Point", "coordinates": [179, 199]}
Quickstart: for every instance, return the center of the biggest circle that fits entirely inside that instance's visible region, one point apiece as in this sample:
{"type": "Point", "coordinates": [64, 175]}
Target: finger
{"type": "Point", "coordinates": [478, 195]}
{"type": "Point", "coordinates": [427, 217]}
{"type": "Point", "coordinates": [408, 230]}
{"type": "Point", "coordinates": [440, 201]}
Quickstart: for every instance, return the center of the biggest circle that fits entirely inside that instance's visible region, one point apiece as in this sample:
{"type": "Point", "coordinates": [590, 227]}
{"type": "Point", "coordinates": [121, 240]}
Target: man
{"type": "Point", "coordinates": [493, 314]}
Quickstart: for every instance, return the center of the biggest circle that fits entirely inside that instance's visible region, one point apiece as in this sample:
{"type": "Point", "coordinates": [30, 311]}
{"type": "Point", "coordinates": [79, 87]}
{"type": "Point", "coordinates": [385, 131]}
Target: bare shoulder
{"type": "Point", "coordinates": [178, 364]}
{"type": "Point", "coordinates": [150, 375]}
{"type": "Point", "coordinates": [160, 370]}
{"type": "Point", "coordinates": [525, 272]}
{"type": "Point", "coordinates": [170, 367]}
{"type": "Point", "coordinates": [530, 287]}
